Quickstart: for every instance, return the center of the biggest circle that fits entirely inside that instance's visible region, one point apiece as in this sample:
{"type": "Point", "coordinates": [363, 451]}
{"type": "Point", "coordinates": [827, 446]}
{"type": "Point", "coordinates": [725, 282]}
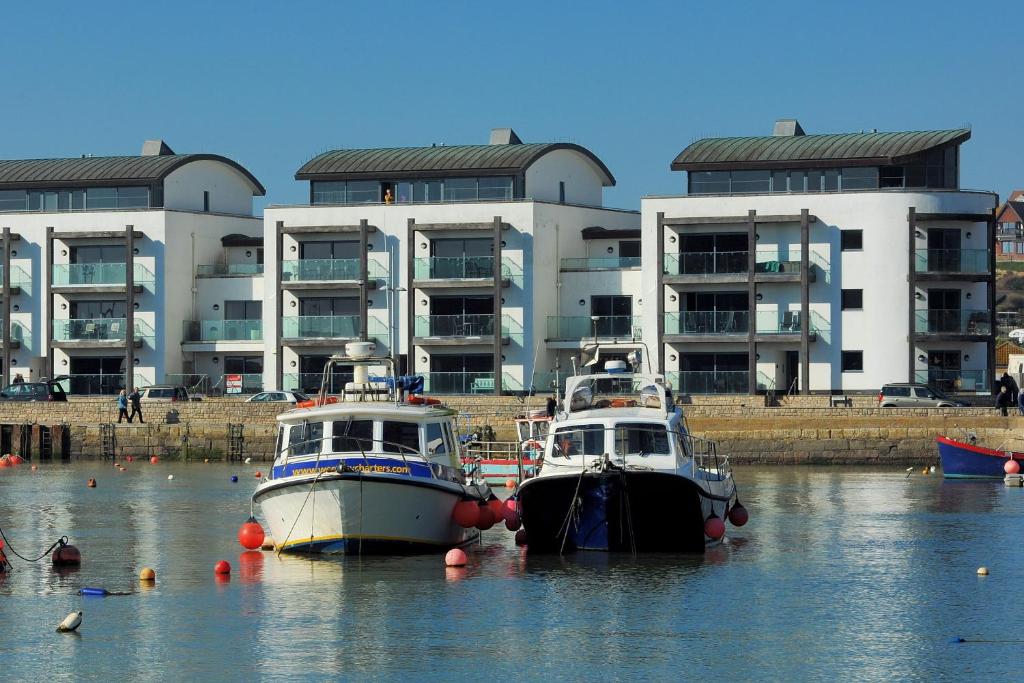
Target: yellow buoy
{"type": "Point", "coordinates": [147, 574]}
{"type": "Point", "coordinates": [982, 571]}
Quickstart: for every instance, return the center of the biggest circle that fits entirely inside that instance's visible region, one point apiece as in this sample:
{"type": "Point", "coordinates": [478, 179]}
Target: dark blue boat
{"type": "Point", "coordinates": [963, 460]}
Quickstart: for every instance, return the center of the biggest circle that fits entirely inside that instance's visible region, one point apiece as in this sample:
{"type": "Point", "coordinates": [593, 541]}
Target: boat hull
{"type": "Point", "coordinates": [967, 461]}
{"type": "Point", "coordinates": [354, 513]}
{"type": "Point", "coordinates": [618, 511]}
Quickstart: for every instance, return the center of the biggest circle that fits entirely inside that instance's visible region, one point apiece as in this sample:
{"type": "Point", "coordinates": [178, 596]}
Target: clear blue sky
{"type": "Point", "coordinates": [272, 84]}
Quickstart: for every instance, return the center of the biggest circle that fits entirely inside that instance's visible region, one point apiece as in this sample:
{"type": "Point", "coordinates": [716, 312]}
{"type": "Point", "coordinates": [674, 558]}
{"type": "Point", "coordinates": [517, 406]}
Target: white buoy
{"type": "Point", "coordinates": [71, 623]}
{"type": "Point", "coordinates": [932, 469]}
{"type": "Point", "coordinates": [248, 460]}
{"type": "Point", "coordinates": [170, 476]}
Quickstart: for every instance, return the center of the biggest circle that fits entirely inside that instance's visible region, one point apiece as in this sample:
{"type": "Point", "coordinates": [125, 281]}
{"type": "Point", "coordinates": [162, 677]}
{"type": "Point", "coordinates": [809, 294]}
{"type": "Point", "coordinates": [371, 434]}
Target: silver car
{"type": "Point", "coordinates": [915, 396]}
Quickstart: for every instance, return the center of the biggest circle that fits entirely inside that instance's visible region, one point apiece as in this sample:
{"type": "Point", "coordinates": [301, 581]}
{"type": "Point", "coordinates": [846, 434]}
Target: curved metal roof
{"type": "Point", "coordinates": [423, 162]}
{"type": "Point", "coordinates": [81, 171]}
{"type": "Point", "coordinates": [773, 151]}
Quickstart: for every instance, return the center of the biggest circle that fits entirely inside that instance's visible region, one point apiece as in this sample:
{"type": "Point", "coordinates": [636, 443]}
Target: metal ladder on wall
{"type": "Point", "coordinates": [108, 441]}
{"type": "Point", "coordinates": [45, 442]}
{"type": "Point", "coordinates": [236, 441]}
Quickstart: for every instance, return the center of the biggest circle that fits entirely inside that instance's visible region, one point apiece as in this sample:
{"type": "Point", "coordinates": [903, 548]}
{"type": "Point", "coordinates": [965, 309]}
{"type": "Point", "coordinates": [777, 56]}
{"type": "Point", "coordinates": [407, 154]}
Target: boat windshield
{"type": "Point", "coordinates": [580, 440]}
{"type": "Point", "coordinates": [638, 438]}
{"type": "Point", "coordinates": [352, 436]}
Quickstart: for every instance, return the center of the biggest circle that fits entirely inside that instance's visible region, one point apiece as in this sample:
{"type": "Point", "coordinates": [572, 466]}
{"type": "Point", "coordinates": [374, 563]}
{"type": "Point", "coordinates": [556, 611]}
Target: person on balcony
{"type": "Point", "coordinates": [388, 197]}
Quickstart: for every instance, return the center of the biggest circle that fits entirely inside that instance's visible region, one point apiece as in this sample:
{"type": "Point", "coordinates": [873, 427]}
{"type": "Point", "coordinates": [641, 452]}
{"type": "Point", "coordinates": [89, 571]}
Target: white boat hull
{"type": "Point", "coordinates": [349, 513]}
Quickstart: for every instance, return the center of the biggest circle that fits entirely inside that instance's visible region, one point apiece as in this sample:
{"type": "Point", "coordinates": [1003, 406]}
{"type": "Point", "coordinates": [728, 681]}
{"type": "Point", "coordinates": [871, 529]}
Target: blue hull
{"type": "Point", "coordinates": [962, 460]}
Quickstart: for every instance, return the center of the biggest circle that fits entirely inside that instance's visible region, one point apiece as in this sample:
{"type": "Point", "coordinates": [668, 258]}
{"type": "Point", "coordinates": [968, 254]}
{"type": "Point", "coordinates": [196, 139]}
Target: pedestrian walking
{"type": "Point", "coordinates": [136, 400]}
{"type": "Point", "coordinates": [122, 407]}
{"type": "Point", "coordinates": [1011, 386]}
{"type": "Point", "coordinates": [18, 379]}
{"type": "Point", "coordinates": [1020, 402]}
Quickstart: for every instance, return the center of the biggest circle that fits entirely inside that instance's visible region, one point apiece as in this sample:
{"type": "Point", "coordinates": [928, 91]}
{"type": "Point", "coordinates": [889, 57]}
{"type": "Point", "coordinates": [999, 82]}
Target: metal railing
{"type": "Point", "coordinates": [705, 262]}
{"type": "Point", "coordinates": [70, 274]}
{"type": "Point", "coordinates": [576, 328]}
{"type": "Point", "coordinates": [98, 329]}
{"type": "Point", "coordinates": [458, 382]}
{"type": "Point", "coordinates": [954, 381]}
{"type": "Point", "coordinates": [600, 263]}
{"type": "Point", "coordinates": [709, 381]}
{"type": "Point", "coordinates": [707, 322]}
{"type": "Point", "coordinates": [304, 270]}
{"type": "Point", "coordinates": [222, 330]}
{"type": "Point", "coordinates": [953, 321]}
{"type": "Point", "coordinates": [951, 261]}
{"type": "Point", "coordinates": [228, 269]}
{"type": "Point", "coordinates": [19, 278]}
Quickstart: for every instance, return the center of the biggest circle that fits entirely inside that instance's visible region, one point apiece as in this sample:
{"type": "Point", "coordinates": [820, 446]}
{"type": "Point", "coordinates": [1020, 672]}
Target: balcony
{"type": "Point", "coordinates": [99, 275]}
{"type": "Point", "coordinates": [19, 334]}
{"type": "Point", "coordinates": [229, 270]}
{"type": "Point", "coordinates": [222, 330]}
{"type": "Point", "coordinates": [329, 270]}
{"type": "Point", "coordinates": [770, 266]}
{"type": "Point", "coordinates": [458, 382]}
{"type": "Point", "coordinates": [706, 266]}
{"type": "Point", "coordinates": [19, 278]}
{"type": "Point", "coordinates": [708, 324]}
{"type": "Point", "coordinates": [98, 331]}
{"type": "Point", "coordinates": [780, 324]}
{"type": "Point", "coordinates": [709, 381]}
{"type": "Point", "coordinates": [464, 271]}
{"type": "Point", "coordinates": [320, 326]}
{"type": "Point", "coordinates": [958, 262]}
{"type": "Point", "coordinates": [956, 322]}
{"type": "Point", "coordinates": [955, 381]}
{"type": "Point", "coordinates": [600, 263]}
{"type": "Point", "coordinates": [579, 328]}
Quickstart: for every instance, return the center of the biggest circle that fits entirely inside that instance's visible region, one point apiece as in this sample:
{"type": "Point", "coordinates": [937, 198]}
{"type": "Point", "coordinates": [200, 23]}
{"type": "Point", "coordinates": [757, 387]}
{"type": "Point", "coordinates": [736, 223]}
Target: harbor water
{"type": "Point", "coordinates": [841, 574]}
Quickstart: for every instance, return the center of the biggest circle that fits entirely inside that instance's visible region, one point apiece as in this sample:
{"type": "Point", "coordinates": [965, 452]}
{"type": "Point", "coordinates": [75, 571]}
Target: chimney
{"type": "Point", "coordinates": [504, 136]}
{"type": "Point", "coordinates": [156, 148]}
{"type": "Point", "coordinates": [787, 128]}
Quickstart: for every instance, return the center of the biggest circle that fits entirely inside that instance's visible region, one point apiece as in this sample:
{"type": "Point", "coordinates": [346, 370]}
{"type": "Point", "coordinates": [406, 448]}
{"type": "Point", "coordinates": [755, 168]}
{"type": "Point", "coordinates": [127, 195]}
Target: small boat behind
{"type": "Point", "coordinates": [967, 460]}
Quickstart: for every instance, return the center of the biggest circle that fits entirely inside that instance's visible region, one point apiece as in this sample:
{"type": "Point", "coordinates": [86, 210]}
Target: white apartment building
{"type": "Point", "coordinates": [821, 263]}
{"type": "Point", "coordinates": [99, 258]}
{"type": "Point", "coordinates": [482, 268]}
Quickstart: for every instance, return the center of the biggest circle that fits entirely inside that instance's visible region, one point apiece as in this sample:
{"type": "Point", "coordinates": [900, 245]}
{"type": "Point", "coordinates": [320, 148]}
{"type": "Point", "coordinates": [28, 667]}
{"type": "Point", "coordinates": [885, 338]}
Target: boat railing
{"type": "Point", "coordinates": [704, 457]}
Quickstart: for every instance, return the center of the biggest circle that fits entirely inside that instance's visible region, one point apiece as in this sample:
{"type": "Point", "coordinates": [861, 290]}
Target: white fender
{"type": "Point", "coordinates": [71, 622]}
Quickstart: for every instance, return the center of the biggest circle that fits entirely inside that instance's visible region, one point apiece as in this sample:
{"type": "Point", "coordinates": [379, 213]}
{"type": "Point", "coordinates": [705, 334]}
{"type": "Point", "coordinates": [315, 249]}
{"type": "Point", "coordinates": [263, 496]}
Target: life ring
{"type": "Point", "coordinates": [422, 400]}
{"type": "Point", "coordinates": [622, 403]}
{"type": "Point", "coordinates": [314, 402]}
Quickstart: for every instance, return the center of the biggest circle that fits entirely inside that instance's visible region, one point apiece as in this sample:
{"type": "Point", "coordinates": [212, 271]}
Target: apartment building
{"type": "Point", "coordinates": [99, 257]}
{"type": "Point", "coordinates": [821, 263]}
{"type": "Point", "coordinates": [480, 267]}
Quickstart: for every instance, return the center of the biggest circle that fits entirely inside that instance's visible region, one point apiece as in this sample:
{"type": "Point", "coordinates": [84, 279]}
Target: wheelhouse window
{"type": "Point", "coordinates": [305, 438]}
{"type": "Point", "coordinates": [581, 440]}
{"type": "Point", "coordinates": [400, 437]}
{"type": "Point", "coordinates": [352, 436]}
{"type": "Point", "coordinates": [637, 438]}
{"type": "Point", "coordinates": [439, 444]}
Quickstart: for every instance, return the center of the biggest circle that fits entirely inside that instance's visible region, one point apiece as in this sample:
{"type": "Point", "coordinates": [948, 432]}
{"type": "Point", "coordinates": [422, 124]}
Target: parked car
{"type": "Point", "coordinates": [906, 395]}
{"type": "Point", "coordinates": [47, 390]}
{"type": "Point", "coordinates": [165, 393]}
{"type": "Point", "coordinates": [277, 397]}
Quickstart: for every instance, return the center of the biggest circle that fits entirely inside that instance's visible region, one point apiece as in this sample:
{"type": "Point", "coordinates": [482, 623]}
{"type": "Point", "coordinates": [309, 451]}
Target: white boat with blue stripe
{"type": "Point", "coordinates": [367, 472]}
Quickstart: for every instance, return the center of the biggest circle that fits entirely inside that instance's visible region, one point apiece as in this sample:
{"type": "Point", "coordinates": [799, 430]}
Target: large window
{"type": "Point", "coordinates": [581, 440]}
{"type": "Point", "coordinates": [400, 437]}
{"type": "Point", "coordinates": [352, 436]}
{"type": "Point", "coordinates": [90, 310]}
{"type": "Point", "coordinates": [333, 249]}
{"type": "Point", "coordinates": [78, 199]}
{"type": "Point", "coordinates": [98, 254]}
{"type": "Point", "coordinates": [641, 439]}
{"type": "Point", "coordinates": [243, 310]}
{"type": "Point", "coordinates": [852, 299]}
{"type": "Point", "coordinates": [418, 191]}
{"type": "Point", "coordinates": [305, 438]}
{"type": "Point", "coordinates": [851, 240]}
{"type": "Point", "coordinates": [853, 361]}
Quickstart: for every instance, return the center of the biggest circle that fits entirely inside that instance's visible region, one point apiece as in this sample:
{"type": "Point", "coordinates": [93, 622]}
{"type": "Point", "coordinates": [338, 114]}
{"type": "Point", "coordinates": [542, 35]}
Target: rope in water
{"type": "Point", "coordinates": [63, 540]}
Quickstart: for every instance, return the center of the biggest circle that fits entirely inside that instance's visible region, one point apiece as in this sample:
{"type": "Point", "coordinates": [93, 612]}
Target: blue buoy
{"type": "Point", "coordinates": [93, 591]}
{"type": "Point", "coordinates": [957, 639]}
{"type": "Point", "coordinates": [234, 478]}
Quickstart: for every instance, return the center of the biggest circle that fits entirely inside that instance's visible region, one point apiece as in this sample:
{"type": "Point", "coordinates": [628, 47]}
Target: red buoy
{"type": "Point", "coordinates": [466, 513]}
{"type": "Point", "coordinates": [17, 459]}
{"type": "Point", "coordinates": [222, 567]}
{"type": "Point", "coordinates": [455, 557]}
{"type": "Point", "coordinates": [512, 521]}
{"type": "Point", "coordinates": [6, 462]}
{"type": "Point", "coordinates": [66, 555]}
{"type": "Point", "coordinates": [153, 460]}
{"type": "Point", "coordinates": [738, 515]}
{"type": "Point", "coordinates": [1011, 467]}
{"type": "Point", "coordinates": [129, 458]}
{"type": "Point", "coordinates": [487, 519]}
{"type": "Point", "coordinates": [91, 483]}
{"type": "Point", "coordinates": [258, 474]}
{"type": "Point", "coordinates": [521, 537]}
{"type": "Point", "coordinates": [511, 506]}
{"type": "Point", "coordinates": [510, 483]}
{"type": "Point", "coordinates": [714, 527]}
{"type": "Point", "coordinates": [251, 535]}
{"type": "Point", "coordinates": [497, 509]}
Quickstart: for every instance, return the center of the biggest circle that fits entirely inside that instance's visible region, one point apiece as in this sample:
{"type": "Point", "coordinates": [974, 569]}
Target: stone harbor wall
{"type": "Point", "coordinates": [792, 433]}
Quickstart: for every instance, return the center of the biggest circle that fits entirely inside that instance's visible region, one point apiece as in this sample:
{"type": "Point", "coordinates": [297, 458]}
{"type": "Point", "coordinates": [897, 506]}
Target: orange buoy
{"type": "Point", "coordinates": [147, 574]}
{"type": "Point", "coordinates": [66, 555]}
{"type": "Point", "coordinates": [250, 534]}
{"type": "Point", "coordinates": [222, 567]}
{"type": "Point", "coordinates": [510, 483]}
{"type": "Point", "coordinates": [455, 557]}
{"type": "Point", "coordinates": [497, 509]}
{"type": "Point", "coordinates": [487, 519]}
{"type": "Point", "coordinates": [1011, 467]}
{"type": "Point", "coordinates": [17, 459]}
{"type": "Point", "coordinates": [153, 460]}
{"type": "Point", "coordinates": [258, 474]}
{"type": "Point", "coordinates": [91, 483]}
{"type": "Point", "coordinates": [34, 467]}
{"type": "Point", "coordinates": [4, 462]}
{"type": "Point", "coordinates": [466, 513]}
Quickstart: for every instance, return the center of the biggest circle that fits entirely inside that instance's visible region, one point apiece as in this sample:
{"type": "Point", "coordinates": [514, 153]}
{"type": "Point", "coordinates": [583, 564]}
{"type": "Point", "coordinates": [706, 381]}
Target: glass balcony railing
{"type": "Point", "coordinates": [309, 382]}
{"type": "Point", "coordinates": [709, 381]}
{"type": "Point", "coordinates": [458, 382]}
{"type": "Point", "coordinates": [98, 329]}
{"type": "Point", "coordinates": [320, 326]}
{"type": "Point", "coordinates": [576, 328]}
{"type": "Point", "coordinates": [229, 269]}
{"type": "Point", "coordinates": [951, 261]}
{"type": "Point", "coordinates": [222, 330]}
{"type": "Point", "coordinates": [70, 274]}
{"type": "Point", "coordinates": [772, 260]}
{"type": "Point", "coordinates": [311, 270]}
{"type": "Point", "coordinates": [469, 325]}
{"type": "Point", "coordinates": [707, 322]}
{"type": "Point", "coordinates": [461, 267]}
{"type": "Point", "coordinates": [601, 263]}
{"type": "Point", "coordinates": [705, 262]}
{"type": "Point", "coordinates": [19, 278]}
{"type": "Point", "coordinates": [954, 381]}
{"type": "Point", "coordinates": [953, 321]}
{"type": "Point", "coordinates": [96, 385]}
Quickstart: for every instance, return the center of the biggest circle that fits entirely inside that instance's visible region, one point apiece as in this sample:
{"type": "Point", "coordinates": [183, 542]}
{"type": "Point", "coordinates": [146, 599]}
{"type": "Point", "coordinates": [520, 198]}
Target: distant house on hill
{"type": "Point", "coordinates": [1003, 352]}
{"type": "Point", "coordinates": [1010, 233]}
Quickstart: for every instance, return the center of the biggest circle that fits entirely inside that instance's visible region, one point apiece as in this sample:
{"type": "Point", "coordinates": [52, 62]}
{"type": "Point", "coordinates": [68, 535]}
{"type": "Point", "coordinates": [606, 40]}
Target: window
{"type": "Point", "coordinates": [852, 299]}
{"type": "Point", "coordinates": [863, 178]}
{"type": "Point", "coordinates": [88, 310]}
{"type": "Point", "coordinates": [243, 310]}
{"type": "Point", "coordinates": [437, 447]}
{"type": "Point", "coordinates": [796, 181]}
{"type": "Point", "coordinates": [106, 254]}
{"type": "Point", "coordinates": [709, 182]}
{"type": "Point", "coordinates": [363, 192]}
{"type": "Point", "coordinates": [851, 240]}
{"type": "Point", "coordinates": [495, 188]}
{"type": "Point", "coordinates": [615, 316]}
{"type": "Point", "coordinates": [305, 439]}
{"type": "Point", "coordinates": [561, 192]}
{"type": "Point", "coordinates": [583, 440]}
{"type": "Point", "coordinates": [206, 201]}
{"type": "Point", "coordinates": [459, 189]}
{"type": "Point", "coordinates": [831, 180]}
{"type": "Point", "coordinates": [853, 361]}
{"type": "Point", "coordinates": [746, 182]}
{"type": "Point", "coordinates": [639, 438]}
{"type": "Point", "coordinates": [629, 249]}
{"type": "Point", "coordinates": [100, 198]}
{"type": "Point", "coordinates": [895, 391]}
{"type": "Point", "coordinates": [13, 200]}
{"type": "Point", "coordinates": [134, 197]}
{"type": "Point", "coordinates": [400, 437]}
{"type": "Point", "coordinates": [329, 193]}
{"type": "Point", "coordinates": [814, 181]}
{"type": "Point", "coordinates": [779, 181]}
{"type": "Point", "coordinates": [352, 436]}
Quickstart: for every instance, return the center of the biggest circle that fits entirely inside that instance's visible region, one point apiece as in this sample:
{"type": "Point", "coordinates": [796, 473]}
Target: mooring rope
{"type": "Point", "coordinates": [63, 540]}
